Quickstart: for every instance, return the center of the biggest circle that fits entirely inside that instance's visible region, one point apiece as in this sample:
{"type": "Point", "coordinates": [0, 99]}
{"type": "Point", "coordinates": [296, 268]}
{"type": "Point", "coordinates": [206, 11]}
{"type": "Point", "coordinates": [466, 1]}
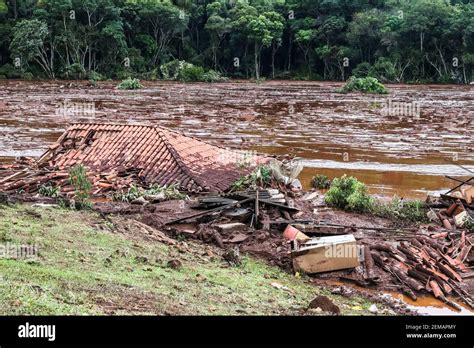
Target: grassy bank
{"type": "Point", "coordinates": [85, 265]}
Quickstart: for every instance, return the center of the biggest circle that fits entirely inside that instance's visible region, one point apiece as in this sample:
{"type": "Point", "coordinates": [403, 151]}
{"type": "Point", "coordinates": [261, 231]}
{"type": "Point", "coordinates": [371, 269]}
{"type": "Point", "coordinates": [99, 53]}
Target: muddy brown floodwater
{"type": "Point", "coordinates": [401, 143]}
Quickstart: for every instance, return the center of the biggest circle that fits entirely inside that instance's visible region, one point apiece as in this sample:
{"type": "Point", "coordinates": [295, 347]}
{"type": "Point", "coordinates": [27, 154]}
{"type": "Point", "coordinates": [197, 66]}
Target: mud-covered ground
{"type": "Point", "coordinates": [403, 149]}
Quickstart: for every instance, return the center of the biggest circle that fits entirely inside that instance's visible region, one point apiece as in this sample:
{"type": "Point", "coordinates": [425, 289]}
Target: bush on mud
{"type": "Point", "coordinates": [365, 85]}
{"type": "Point", "coordinates": [130, 84]}
{"type": "Point", "coordinates": [74, 71]}
{"type": "Point", "coordinates": [180, 70]}
{"type": "Point", "coordinates": [95, 76]}
{"type": "Point", "coordinates": [349, 193]}
{"type": "Point", "coordinates": [401, 210]}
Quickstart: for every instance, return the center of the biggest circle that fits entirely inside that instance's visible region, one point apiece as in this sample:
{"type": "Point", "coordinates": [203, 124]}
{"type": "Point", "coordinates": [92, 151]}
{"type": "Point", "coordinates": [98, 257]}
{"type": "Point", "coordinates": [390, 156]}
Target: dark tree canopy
{"type": "Point", "coordinates": [392, 40]}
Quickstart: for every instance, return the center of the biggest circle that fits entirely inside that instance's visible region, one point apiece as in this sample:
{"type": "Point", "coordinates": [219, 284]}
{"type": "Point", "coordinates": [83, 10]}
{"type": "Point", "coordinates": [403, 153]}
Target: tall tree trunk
{"type": "Point", "coordinates": [422, 38]}
{"type": "Point", "coordinates": [273, 60]}
{"type": "Point", "coordinates": [290, 46]}
{"type": "Point", "coordinates": [257, 73]}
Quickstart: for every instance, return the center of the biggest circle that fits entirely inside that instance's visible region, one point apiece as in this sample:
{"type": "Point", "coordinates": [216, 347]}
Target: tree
{"type": "Point", "coordinates": [28, 44]}
{"type": "Point", "coordinates": [276, 25]}
{"type": "Point", "coordinates": [166, 21]}
{"type": "Point", "coordinates": [218, 26]}
{"type": "Point", "coordinates": [305, 34]}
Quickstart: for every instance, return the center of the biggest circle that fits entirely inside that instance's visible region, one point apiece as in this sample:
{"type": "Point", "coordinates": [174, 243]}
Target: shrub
{"type": "Point", "coordinates": [402, 210]}
{"type": "Point", "coordinates": [130, 84]}
{"type": "Point", "coordinates": [365, 85]}
{"type": "Point", "coordinates": [82, 185]}
{"type": "Point", "coordinates": [383, 70]}
{"type": "Point", "coordinates": [95, 76]}
{"type": "Point", "coordinates": [151, 75]}
{"type": "Point", "coordinates": [74, 71]}
{"type": "Point", "coordinates": [27, 76]}
{"type": "Point", "coordinates": [349, 193]}
{"type": "Point", "coordinates": [213, 76]}
{"type": "Point", "coordinates": [9, 71]}
{"type": "Point", "coordinates": [180, 70]}
{"type": "Point", "coordinates": [192, 73]}
{"type": "Point", "coordinates": [261, 176]}
{"type": "Point", "coordinates": [362, 70]}
{"type": "Point", "coordinates": [321, 182]}
{"type": "Point", "coordinates": [49, 191]}
{"type": "Point", "coordinates": [171, 70]}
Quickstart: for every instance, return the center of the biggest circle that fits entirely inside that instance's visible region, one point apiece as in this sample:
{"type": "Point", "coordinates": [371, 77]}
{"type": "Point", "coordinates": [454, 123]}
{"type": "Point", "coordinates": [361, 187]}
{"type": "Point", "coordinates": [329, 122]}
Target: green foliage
{"type": "Point", "coordinates": [348, 193]}
{"type": "Point", "coordinates": [261, 176]}
{"type": "Point", "coordinates": [74, 71]}
{"type": "Point", "coordinates": [213, 76]}
{"type": "Point", "coordinates": [28, 42]}
{"type": "Point", "coordinates": [390, 40]}
{"type": "Point", "coordinates": [362, 70]}
{"type": "Point", "coordinates": [191, 73]}
{"type": "Point", "coordinates": [469, 225]}
{"type": "Point", "coordinates": [402, 210]}
{"type": "Point", "coordinates": [130, 83]}
{"type": "Point", "coordinates": [132, 193]}
{"type": "Point", "coordinates": [10, 72]}
{"type": "Point", "coordinates": [82, 185]}
{"type": "Point", "coordinates": [365, 85]}
{"type": "Point", "coordinates": [26, 76]}
{"type": "Point", "coordinates": [383, 70]}
{"type": "Point", "coordinates": [180, 70]}
{"type": "Point", "coordinates": [49, 191]}
{"type": "Point", "coordinates": [321, 182]}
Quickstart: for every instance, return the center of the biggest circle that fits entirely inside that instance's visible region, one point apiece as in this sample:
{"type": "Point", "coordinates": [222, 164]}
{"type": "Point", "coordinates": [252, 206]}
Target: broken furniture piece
{"type": "Point", "coordinates": [324, 254]}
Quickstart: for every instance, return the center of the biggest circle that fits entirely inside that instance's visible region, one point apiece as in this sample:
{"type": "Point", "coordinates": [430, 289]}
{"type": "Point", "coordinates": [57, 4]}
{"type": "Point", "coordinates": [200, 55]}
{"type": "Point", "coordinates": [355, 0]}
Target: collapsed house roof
{"type": "Point", "coordinates": [153, 154]}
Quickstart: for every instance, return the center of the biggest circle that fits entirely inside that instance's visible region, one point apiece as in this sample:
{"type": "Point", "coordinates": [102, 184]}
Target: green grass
{"type": "Point", "coordinates": [85, 266]}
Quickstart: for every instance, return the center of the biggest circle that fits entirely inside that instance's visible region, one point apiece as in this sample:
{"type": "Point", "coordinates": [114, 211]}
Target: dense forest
{"type": "Point", "coordinates": [392, 40]}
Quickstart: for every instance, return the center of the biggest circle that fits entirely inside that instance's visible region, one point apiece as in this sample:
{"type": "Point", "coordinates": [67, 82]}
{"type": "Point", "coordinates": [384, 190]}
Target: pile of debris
{"type": "Point", "coordinates": [435, 263]}
{"type": "Point", "coordinates": [455, 207]}
{"type": "Point", "coordinates": [242, 218]}
{"type": "Point", "coordinates": [417, 261]}
{"type": "Point", "coordinates": [117, 156]}
{"type": "Point", "coordinates": [259, 221]}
